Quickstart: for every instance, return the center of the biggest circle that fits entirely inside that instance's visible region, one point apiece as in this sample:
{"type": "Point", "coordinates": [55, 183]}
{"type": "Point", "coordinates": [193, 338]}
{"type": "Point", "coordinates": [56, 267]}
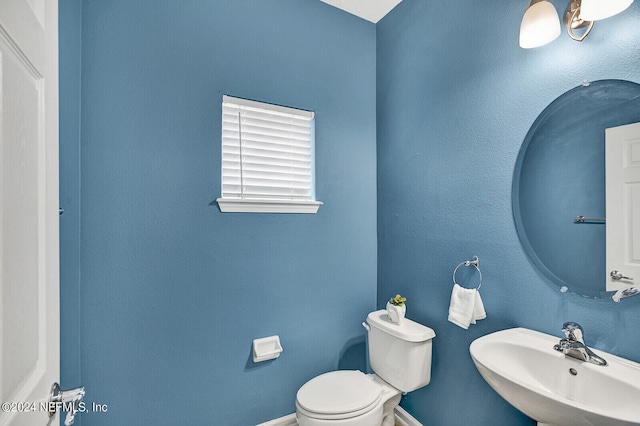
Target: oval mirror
{"type": "Point", "coordinates": [560, 175]}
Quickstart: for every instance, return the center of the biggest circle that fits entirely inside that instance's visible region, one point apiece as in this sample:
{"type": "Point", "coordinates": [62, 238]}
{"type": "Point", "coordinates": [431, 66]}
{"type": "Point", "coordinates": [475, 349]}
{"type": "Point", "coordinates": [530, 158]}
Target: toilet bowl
{"type": "Point", "coordinates": [400, 355]}
{"type": "Point", "coordinates": [346, 398]}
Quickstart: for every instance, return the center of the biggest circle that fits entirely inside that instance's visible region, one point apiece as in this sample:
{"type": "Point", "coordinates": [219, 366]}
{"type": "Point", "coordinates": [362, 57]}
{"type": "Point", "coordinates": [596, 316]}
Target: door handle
{"type": "Point", "coordinates": [69, 400]}
{"type": "Point", "coordinates": [617, 276]}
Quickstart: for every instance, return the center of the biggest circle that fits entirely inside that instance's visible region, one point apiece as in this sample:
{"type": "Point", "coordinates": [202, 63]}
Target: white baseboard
{"type": "Point", "coordinates": [289, 420]}
{"type": "Point", "coordinates": [402, 417]}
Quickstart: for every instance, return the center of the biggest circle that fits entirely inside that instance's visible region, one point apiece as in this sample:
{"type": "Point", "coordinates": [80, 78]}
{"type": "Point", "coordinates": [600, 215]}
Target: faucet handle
{"type": "Point", "coordinates": [573, 331]}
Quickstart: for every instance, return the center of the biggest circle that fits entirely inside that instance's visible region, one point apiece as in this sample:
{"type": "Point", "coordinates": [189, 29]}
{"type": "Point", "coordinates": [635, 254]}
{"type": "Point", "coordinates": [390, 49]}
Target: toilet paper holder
{"type": "Point", "coordinates": [266, 348]}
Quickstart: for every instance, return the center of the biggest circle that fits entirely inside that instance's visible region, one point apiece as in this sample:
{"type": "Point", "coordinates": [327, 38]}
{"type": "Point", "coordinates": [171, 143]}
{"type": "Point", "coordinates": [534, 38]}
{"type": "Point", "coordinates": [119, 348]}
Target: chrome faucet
{"type": "Point", "coordinates": [573, 345]}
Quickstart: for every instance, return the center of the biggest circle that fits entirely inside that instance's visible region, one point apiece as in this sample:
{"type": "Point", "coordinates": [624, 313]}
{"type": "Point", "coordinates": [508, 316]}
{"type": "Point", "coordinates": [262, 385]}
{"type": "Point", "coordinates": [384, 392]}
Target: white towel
{"type": "Point", "coordinates": [478, 309]}
{"type": "Point", "coordinates": [466, 306]}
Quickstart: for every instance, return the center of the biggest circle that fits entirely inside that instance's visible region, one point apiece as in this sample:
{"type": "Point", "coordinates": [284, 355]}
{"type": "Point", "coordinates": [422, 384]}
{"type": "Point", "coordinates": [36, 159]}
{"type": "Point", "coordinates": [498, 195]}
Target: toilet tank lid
{"type": "Point", "coordinates": [408, 330]}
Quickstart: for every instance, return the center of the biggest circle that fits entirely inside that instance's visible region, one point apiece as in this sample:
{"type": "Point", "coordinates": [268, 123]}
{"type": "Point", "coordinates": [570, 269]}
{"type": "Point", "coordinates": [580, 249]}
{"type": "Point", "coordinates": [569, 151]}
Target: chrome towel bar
{"type": "Point", "coordinates": [582, 219]}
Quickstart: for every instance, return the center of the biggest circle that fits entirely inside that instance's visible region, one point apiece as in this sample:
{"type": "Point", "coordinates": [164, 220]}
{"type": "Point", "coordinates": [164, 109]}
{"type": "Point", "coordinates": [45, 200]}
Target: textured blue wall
{"type": "Point", "coordinates": [456, 97]}
{"type": "Point", "coordinates": [171, 292]}
{"type": "Point", "coordinates": [149, 270]}
{"type": "Point", "coordinates": [70, 25]}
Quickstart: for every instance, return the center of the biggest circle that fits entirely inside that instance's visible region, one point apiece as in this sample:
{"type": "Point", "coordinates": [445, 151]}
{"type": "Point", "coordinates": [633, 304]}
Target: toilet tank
{"type": "Point", "coordinates": [400, 354]}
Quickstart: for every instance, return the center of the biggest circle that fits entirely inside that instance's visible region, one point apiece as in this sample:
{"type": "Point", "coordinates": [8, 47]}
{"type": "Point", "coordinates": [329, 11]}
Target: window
{"type": "Point", "coordinates": [267, 158]}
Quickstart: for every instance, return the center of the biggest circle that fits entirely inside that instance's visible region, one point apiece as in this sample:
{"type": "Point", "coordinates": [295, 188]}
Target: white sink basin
{"type": "Point", "coordinates": [551, 388]}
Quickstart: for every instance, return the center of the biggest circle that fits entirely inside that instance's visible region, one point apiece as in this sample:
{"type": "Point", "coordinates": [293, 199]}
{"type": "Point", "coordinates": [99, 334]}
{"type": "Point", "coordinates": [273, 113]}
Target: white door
{"type": "Point", "coordinates": [29, 253]}
{"type": "Point", "coordinates": [623, 206]}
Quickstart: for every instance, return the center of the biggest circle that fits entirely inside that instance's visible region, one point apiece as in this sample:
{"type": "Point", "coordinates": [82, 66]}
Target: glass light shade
{"type": "Point", "coordinates": [593, 10]}
{"type": "Point", "coordinates": [540, 25]}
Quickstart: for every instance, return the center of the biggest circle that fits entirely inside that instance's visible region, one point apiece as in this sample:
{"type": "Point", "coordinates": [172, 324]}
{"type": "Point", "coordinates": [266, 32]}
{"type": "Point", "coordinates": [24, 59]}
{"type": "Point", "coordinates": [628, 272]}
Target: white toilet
{"type": "Point", "coordinates": [400, 356]}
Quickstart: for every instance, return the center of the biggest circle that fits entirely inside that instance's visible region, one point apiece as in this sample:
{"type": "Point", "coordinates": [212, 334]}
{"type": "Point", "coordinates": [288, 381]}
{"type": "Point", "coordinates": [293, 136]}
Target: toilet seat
{"type": "Point", "coordinates": [338, 395]}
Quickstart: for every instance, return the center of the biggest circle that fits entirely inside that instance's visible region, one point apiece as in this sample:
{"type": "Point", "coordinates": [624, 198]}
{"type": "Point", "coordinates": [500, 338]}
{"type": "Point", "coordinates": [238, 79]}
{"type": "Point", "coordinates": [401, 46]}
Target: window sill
{"type": "Point", "coordinates": [232, 205]}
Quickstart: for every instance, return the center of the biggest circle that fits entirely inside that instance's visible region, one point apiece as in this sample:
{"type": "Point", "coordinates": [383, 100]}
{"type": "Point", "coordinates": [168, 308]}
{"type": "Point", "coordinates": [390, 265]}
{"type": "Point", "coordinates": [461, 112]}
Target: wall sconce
{"type": "Point", "coordinates": [574, 19]}
{"type": "Point", "coordinates": [540, 23]}
{"type": "Point", "coordinates": [594, 10]}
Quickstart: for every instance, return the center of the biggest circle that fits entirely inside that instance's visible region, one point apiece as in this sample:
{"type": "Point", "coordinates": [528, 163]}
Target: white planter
{"type": "Point", "coordinates": [396, 313]}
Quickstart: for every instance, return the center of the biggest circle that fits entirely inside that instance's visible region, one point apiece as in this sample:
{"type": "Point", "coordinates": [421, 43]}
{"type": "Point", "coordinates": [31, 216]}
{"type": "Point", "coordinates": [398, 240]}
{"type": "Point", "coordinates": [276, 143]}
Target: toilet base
{"type": "Point", "coordinates": [389, 411]}
{"type": "Point", "coordinates": [401, 417]}
{"type": "Point", "coordinates": [372, 418]}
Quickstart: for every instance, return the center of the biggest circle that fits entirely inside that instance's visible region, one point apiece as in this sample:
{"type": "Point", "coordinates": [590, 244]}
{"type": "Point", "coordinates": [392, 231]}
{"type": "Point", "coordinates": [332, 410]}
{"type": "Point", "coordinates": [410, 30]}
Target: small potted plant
{"type": "Point", "coordinates": [396, 309]}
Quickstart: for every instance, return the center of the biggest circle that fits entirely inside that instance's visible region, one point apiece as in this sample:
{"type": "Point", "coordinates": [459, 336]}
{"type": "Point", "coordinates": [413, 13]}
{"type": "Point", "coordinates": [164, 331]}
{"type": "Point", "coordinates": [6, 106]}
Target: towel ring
{"type": "Point", "coordinates": [473, 263]}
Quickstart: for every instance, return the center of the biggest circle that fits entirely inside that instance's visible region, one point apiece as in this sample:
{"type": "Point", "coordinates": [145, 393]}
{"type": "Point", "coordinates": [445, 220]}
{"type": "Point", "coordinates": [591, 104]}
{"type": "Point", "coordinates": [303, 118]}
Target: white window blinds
{"type": "Point", "coordinates": [267, 156]}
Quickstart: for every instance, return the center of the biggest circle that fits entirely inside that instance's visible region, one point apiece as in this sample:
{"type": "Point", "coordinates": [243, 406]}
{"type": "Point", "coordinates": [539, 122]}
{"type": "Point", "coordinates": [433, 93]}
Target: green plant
{"type": "Point", "coordinates": [398, 300]}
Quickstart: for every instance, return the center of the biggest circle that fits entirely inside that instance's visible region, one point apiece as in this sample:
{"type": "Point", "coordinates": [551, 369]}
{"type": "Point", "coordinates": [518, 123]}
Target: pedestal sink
{"type": "Point", "coordinates": [553, 389]}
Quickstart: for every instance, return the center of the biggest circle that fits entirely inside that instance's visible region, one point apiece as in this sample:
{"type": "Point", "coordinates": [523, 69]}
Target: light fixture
{"type": "Point", "coordinates": [573, 19]}
{"type": "Point", "coordinates": [540, 24]}
{"type": "Point", "coordinates": [594, 10]}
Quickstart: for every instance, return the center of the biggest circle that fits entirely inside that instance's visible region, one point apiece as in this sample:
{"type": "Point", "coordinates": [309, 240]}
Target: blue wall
{"type": "Point", "coordinates": [169, 292]}
{"type": "Point", "coordinates": [456, 97]}
{"type": "Point", "coordinates": [150, 264]}
{"type": "Point", "coordinates": [70, 26]}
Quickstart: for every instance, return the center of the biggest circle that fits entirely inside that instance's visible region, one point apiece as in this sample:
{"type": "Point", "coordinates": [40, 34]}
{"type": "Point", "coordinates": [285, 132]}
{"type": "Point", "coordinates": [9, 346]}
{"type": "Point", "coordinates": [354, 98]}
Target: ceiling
{"type": "Point", "coordinates": [371, 10]}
